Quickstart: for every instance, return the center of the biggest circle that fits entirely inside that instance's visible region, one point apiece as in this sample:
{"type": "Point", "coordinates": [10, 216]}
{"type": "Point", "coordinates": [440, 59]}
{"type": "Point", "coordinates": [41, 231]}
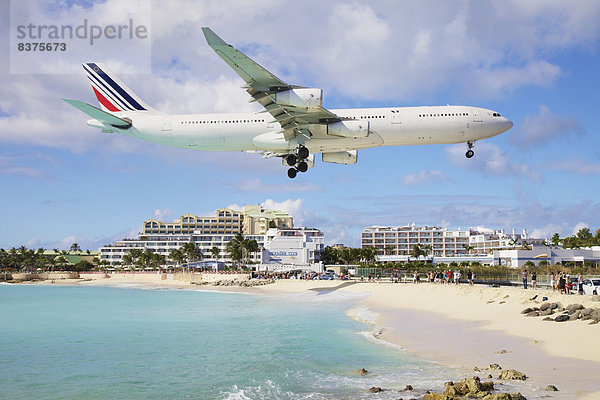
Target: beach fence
{"type": "Point", "coordinates": [514, 279]}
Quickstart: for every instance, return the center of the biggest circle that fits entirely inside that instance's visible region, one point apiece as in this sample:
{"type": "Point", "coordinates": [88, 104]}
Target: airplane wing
{"type": "Point", "coordinates": [102, 116]}
{"type": "Point", "coordinates": [296, 108]}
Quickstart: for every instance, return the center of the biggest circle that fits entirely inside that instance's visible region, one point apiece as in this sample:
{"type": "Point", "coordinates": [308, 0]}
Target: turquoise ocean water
{"type": "Point", "coordinates": [113, 343]}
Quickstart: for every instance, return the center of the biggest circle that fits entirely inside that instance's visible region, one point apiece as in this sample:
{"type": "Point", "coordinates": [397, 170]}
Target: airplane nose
{"type": "Point", "coordinates": [506, 124]}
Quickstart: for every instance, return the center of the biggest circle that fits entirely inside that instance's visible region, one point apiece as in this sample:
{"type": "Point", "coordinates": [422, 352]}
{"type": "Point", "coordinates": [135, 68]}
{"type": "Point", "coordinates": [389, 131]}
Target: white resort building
{"type": "Point", "coordinates": [278, 241]}
{"type": "Point", "coordinates": [398, 242]}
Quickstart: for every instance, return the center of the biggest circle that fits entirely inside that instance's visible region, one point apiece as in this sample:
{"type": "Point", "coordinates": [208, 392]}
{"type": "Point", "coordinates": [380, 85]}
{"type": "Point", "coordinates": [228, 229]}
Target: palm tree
{"type": "Point", "coordinates": [235, 248]}
{"type": "Point", "coordinates": [417, 252]}
{"type": "Point", "coordinates": [178, 256]}
{"type": "Point", "coordinates": [192, 252]}
{"type": "Point", "coordinates": [215, 252]}
{"type": "Point", "coordinates": [555, 240]}
{"type": "Point", "coordinates": [128, 259]}
{"type": "Point", "coordinates": [250, 246]}
{"type": "Point", "coordinates": [427, 249]}
{"type": "Point", "coordinates": [135, 256]}
{"type": "Point", "coordinates": [388, 249]}
{"type": "Point", "coordinates": [368, 254]}
{"type": "Point", "coordinates": [74, 248]}
{"type": "Point", "coordinates": [468, 248]}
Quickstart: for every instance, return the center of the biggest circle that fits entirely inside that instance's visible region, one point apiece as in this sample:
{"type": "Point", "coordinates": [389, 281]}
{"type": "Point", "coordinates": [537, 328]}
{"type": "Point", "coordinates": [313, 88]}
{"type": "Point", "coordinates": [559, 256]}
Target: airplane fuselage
{"type": "Point", "coordinates": [391, 126]}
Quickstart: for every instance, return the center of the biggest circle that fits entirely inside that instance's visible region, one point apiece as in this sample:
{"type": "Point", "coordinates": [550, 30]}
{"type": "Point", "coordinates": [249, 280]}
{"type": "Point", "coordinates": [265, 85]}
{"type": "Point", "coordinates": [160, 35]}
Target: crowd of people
{"type": "Point", "coordinates": [561, 282]}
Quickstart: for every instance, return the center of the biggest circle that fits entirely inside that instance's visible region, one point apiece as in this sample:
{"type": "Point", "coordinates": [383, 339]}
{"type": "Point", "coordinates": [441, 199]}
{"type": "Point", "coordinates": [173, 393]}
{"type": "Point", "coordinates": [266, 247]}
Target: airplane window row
{"type": "Point", "coordinates": [223, 122]}
{"type": "Point", "coordinates": [445, 115]}
{"type": "Point", "coordinates": [372, 116]}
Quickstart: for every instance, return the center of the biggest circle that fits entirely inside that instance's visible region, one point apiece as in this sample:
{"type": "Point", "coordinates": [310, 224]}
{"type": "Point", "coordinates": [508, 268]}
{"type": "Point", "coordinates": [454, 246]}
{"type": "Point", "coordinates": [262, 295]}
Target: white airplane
{"type": "Point", "coordinates": [293, 124]}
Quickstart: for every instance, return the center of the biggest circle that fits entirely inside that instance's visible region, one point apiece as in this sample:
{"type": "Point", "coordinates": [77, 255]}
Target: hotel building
{"type": "Point", "coordinates": [252, 220]}
{"type": "Point", "coordinates": [398, 242]}
{"type": "Point", "coordinates": [278, 241]}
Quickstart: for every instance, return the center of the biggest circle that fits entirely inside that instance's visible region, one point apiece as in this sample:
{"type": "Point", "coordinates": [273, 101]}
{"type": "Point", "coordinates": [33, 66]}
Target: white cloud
{"type": "Point", "coordinates": [293, 207]}
{"type": "Point", "coordinates": [491, 159]}
{"type": "Point", "coordinates": [547, 231]}
{"type": "Point", "coordinates": [539, 129]}
{"type": "Point", "coordinates": [67, 241]}
{"type": "Point", "coordinates": [575, 166]}
{"type": "Point", "coordinates": [162, 214]}
{"type": "Point", "coordinates": [424, 177]}
{"type": "Point", "coordinates": [579, 226]}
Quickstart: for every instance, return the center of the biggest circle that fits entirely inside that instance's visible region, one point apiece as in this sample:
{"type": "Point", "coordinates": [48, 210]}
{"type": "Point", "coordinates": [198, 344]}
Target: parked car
{"type": "Point", "coordinates": [591, 286]}
{"type": "Point", "coordinates": [574, 284]}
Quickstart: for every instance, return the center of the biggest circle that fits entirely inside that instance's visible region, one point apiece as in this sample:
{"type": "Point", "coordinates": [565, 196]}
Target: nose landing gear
{"type": "Point", "coordinates": [296, 161]}
{"type": "Point", "coordinates": [470, 153]}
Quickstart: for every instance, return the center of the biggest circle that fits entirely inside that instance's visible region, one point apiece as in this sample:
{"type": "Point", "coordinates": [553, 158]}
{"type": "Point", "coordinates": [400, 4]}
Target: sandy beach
{"type": "Point", "coordinates": [466, 326]}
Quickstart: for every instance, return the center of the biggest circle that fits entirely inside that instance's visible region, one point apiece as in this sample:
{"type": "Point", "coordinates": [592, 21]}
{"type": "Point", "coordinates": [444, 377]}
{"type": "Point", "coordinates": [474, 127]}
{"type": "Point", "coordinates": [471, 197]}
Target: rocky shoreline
{"type": "Point", "coordinates": [238, 283]}
{"type": "Point", "coordinates": [468, 388]}
{"type": "Point", "coordinates": [572, 312]}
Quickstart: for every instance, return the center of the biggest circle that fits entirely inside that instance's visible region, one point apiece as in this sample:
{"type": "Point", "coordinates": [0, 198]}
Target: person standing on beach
{"type": "Point", "coordinates": [533, 280]}
{"type": "Point", "coordinates": [553, 281]}
{"type": "Point", "coordinates": [580, 284]}
{"type": "Point", "coordinates": [561, 283]}
{"type": "Point", "coordinates": [524, 275]}
{"type": "Point", "coordinates": [470, 277]}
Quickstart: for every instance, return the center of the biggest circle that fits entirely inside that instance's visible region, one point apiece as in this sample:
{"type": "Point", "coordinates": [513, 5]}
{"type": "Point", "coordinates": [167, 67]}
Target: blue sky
{"type": "Point", "coordinates": [535, 62]}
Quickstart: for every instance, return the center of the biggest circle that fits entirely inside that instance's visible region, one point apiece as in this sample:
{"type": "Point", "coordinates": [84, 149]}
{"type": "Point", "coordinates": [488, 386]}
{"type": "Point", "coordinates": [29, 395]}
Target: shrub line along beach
{"type": "Point", "coordinates": [454, 325]}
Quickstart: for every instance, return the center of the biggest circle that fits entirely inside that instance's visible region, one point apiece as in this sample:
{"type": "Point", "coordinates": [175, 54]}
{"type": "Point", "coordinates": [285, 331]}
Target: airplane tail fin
{"type": "Point", "coordinates": [112, 94]}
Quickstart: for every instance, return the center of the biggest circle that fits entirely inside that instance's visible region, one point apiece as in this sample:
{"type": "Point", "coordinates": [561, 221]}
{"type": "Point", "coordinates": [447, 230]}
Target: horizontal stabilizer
{"type": "Point", "coordinates": [102, 116]}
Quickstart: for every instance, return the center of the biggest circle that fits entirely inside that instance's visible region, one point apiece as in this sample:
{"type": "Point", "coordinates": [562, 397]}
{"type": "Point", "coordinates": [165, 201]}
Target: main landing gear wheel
{"type": "Point", "coordinates": [470, 153]}
{"type": "Point", "coordinates": [292, 173]}
{"type": "Point", "coordinates": [302, 152]}
{"type": "Point", "coordinates": [291, 159]}
{"type": "Point", "coordinates": [302, 166]}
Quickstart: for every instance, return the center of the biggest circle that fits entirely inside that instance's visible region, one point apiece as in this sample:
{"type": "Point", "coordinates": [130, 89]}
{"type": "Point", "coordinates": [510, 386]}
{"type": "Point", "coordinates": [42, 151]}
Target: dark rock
{"type": "Point", "coordinates": [526, 311]}
{"type": "Point", "coordinates": [497, 396]}
{"type": "Point", "coordinates": [469, 386]}
{"type": "Point", "coordinates": [517, 396]}
{"type": "Point", "coordinates": [375, 389]}
{"type": "Point", "coordinates": [561, 318]}
{"type": "Point", "coordinates": [551, 388]}
{"type": "Point", "coordinates": [544, 306]}
{"type": "Point", "coordinates": [363, 371]}
{"type": "Point", "coordinates": [512, 374]}
{"type": "Point", "coordinates": [489, 376]}
{"type": "Point", "coordinates": [493, 367]}
{"type": "Point", "coordinates": [547, 311]}
{"type": "Point", "coordinates": [408, 387]}
{"type": "Point", "coordinates": [548, 319]}
{"type": "Point", "coordinates": [574, 317]}
{"type": "Point", "coordinates": [533, 314]}
{"type": "Point", "coordinates": [554, 306]}
{"type": "Point", "coordinates": [571, 308]}
{"type": "Point", "coordinates": [437, 396]}
{"type": "Point", "coordinates": [476, 369]}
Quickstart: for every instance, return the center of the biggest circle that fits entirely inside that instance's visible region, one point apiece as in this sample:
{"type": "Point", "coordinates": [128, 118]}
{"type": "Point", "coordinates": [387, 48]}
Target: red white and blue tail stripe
{"type": "Point", "coordinates": [112, 94]}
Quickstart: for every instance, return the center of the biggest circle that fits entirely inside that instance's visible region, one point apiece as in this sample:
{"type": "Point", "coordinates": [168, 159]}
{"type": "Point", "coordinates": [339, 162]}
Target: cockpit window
{"type": "Point", "coordinates": [496, 114]}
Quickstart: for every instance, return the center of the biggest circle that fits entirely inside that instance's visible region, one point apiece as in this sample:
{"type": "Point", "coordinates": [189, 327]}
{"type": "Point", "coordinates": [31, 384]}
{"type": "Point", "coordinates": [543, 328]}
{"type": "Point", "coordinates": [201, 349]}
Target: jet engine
{"type": "Point", "coordinates": [341, 157]}
{"type": "Point", "coordinates": [349, 129]}
{"type": "Point", "coordinates": [300, 97]}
